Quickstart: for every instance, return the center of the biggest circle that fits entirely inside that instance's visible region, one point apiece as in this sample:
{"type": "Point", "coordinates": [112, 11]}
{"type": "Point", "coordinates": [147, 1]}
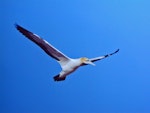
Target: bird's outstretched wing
{"type": "Point", "coordinates": [48, 48]}
{"type": "Point", "coordinates": [102, 57]}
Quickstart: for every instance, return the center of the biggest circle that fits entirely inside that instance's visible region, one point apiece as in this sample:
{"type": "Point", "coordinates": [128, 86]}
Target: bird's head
{"type": "Point", "coordinates": [85, 60]}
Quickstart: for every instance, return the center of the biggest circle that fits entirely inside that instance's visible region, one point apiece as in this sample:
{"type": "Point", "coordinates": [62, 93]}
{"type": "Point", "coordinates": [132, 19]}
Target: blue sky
{"type": "Point", "coordinates": [118, 84]}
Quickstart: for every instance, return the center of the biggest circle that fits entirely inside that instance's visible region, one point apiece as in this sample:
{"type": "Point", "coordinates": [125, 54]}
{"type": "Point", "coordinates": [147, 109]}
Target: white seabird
{"type": "Point", "coordinates": [67, 64]}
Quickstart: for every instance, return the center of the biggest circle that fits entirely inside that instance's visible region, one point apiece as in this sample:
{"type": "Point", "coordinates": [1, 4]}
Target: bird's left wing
{"type": "Point", "coordinates": [102, 57]}
{"type": "Point", "coordinates": [48, 48]}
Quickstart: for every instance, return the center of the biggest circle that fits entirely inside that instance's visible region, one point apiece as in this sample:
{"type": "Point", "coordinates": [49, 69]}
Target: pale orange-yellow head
{"type": "Point", "coordinates": [85, 60]}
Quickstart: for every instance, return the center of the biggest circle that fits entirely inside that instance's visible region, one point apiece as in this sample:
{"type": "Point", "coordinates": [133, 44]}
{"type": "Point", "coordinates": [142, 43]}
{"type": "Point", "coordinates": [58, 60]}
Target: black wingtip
{"type": "Point", "coordinates": [117, 50]}
{"type": "Point", "coordinates": [17, 26]}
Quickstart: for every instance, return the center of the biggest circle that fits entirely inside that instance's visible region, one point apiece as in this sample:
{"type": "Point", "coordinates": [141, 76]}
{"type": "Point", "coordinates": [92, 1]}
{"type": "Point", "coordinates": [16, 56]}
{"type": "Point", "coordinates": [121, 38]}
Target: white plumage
{"type": "Point", "coordinates": [68, 65]}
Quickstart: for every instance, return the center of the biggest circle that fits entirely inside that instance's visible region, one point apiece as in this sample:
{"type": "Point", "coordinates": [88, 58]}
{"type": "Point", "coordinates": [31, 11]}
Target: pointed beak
{"type": "Point", "coordinates": [89, 62]}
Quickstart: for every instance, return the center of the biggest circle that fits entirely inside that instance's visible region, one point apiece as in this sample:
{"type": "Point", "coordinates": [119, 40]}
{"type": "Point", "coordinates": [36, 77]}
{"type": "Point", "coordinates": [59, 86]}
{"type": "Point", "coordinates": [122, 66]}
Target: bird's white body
{"type": "Point", "coordinates": [68, 65]}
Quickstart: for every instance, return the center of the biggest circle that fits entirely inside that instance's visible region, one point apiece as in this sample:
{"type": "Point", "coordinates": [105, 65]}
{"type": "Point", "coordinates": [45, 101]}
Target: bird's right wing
{"type": "Point", "coordinates": [48, 48]}
{"type": "Point", "coordinates": [102, 57]}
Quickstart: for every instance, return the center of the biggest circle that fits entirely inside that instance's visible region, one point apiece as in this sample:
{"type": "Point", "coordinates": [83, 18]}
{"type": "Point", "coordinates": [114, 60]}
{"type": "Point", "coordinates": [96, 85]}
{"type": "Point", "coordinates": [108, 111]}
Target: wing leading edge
{"type": "Point", "coordinates": [48, 48]}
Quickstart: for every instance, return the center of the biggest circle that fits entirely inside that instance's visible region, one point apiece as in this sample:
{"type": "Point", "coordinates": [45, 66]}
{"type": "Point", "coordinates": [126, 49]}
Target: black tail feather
{"type": "Point", "coordinates": [58, 78]}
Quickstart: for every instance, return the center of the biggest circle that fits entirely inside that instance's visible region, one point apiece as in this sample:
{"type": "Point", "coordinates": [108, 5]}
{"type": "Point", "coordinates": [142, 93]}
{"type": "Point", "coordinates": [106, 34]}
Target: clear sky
{"type": "Point", "coordinates": [91, 28]}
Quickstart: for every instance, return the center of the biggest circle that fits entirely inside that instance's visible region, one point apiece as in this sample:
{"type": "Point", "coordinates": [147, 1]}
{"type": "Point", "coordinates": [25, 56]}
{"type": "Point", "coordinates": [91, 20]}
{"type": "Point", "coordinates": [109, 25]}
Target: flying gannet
{"type": "Point", "coordinates": [67, 64]}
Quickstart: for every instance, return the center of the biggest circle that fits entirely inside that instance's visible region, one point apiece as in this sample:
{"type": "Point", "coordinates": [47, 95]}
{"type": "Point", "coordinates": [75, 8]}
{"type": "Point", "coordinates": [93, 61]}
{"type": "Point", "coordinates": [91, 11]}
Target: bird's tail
{"type": "Point", "coordinates": [58, 78]}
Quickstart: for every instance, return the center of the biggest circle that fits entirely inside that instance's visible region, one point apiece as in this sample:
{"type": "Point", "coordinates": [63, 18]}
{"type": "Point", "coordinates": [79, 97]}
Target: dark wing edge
{"type": "Point", "coordinates": [48, 48]}
{"type": "Point", "coordinates": [102, 57]}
